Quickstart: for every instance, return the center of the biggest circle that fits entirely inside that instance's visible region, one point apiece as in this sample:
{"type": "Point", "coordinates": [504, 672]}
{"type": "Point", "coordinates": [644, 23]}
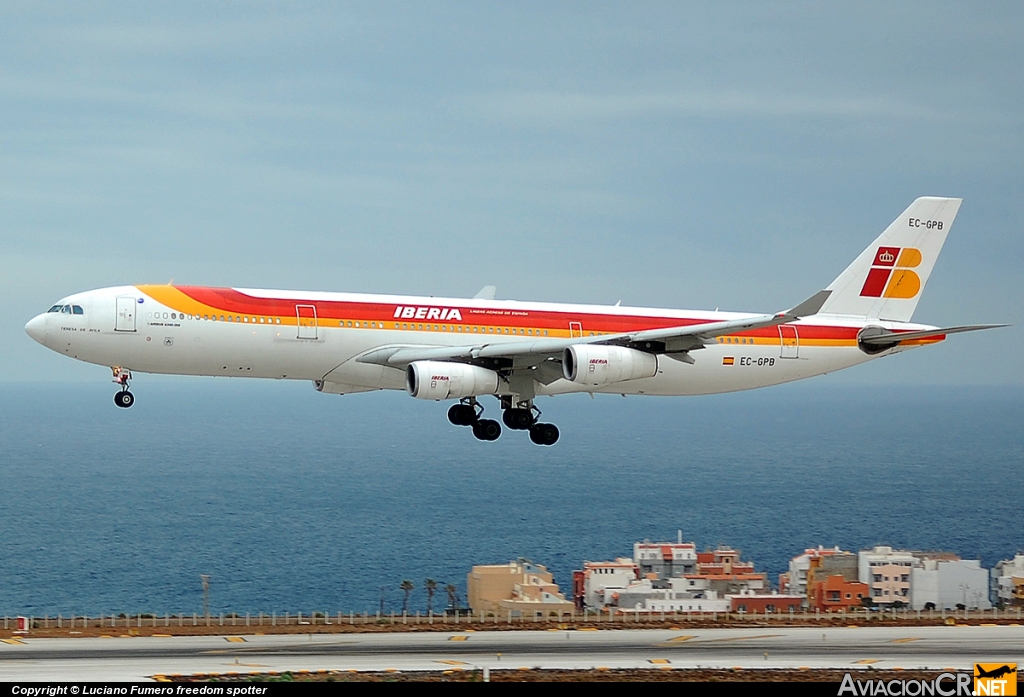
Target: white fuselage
{"type": "Point", "coordinates": [319, 337]}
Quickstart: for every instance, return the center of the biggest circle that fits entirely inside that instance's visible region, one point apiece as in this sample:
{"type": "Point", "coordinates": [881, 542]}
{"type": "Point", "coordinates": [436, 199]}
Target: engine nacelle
{"type": "Point", "coordinates": [443, 380]}
{"type": "Point", "coordinates": [589, 364]}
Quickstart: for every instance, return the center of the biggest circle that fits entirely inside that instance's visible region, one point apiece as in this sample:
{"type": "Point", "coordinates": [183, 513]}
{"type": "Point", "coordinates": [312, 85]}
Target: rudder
{"type": "Point", "coordinates": [887, 279]}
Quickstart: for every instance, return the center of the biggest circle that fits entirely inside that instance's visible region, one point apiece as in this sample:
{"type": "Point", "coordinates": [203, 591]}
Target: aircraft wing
{"type": "Point", "coordinates": [671, 340]}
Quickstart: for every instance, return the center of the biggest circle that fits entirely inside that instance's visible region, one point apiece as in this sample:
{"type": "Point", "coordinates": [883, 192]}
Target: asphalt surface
{"type": "Point", "coordinates": [135, 658]}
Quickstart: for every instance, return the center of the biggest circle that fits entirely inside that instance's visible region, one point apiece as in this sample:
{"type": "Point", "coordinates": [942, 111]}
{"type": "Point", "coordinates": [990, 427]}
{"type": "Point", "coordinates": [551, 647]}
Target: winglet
{"type": "Point", "coordinates": [486, 293]}
{"type": "Point", "coordinates": [808, 307]}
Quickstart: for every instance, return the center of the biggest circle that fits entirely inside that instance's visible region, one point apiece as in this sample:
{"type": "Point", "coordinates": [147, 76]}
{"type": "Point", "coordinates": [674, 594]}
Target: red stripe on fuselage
{"type": "Point", "coordinates": [235, 302]}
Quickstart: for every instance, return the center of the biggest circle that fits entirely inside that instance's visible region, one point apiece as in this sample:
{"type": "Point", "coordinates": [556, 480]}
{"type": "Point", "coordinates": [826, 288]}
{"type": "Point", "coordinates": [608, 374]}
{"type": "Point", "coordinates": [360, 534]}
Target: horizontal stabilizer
{"type": "Point", "coordinates": [887, 337]}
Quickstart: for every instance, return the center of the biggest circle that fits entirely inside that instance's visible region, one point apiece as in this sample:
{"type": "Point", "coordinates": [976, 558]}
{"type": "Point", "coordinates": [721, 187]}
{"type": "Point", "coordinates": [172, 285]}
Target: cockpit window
{"type": "Point", "coordinates": [67, 309]}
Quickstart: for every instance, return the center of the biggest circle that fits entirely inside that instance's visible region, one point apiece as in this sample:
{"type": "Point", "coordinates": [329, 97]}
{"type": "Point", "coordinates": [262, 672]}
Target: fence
{"type": "Point", "coordinates": [617, 616]}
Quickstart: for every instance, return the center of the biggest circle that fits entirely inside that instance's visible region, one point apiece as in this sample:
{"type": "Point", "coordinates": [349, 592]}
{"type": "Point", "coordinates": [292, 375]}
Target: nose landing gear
{"type": "Point", "coordinates": [122, 377]}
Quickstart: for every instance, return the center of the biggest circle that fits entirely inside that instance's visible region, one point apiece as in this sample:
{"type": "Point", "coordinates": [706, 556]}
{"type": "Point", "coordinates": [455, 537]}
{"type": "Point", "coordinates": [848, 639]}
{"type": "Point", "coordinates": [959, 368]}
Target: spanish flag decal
{"type": "Point", "coordinates": [728, 360]}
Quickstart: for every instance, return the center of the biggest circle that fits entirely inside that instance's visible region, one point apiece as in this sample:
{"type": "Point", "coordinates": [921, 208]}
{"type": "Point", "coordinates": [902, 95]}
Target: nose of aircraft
{"type": "Point", "coordinates": [36, 328]}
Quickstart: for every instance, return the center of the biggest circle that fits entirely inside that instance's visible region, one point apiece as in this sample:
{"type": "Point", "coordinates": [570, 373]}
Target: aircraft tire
{"type": "Point", "coordinates": [517, 419]}
{"type": "Point", "coordinates": [544, 434]}
{"type": "Point", "coordinates": [487, 429]}
{"type": "Point", "coordinates": [462, 415]}
{"type": "Point", "coordinates": [124, 399]}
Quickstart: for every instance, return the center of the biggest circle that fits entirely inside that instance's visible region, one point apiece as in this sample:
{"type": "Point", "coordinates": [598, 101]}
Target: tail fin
{"type": "Point", "coordinates": [886, 280]}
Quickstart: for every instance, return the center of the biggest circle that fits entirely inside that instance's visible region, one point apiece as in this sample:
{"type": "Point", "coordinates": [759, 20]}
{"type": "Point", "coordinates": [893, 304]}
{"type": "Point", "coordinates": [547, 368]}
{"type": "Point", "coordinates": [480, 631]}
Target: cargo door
{"type": "Point", "coordinates": [307, 321]}
{"type": "Point", "coordinates": [125, 319]}
{"type": "Point", "coordinates": [790, 340]}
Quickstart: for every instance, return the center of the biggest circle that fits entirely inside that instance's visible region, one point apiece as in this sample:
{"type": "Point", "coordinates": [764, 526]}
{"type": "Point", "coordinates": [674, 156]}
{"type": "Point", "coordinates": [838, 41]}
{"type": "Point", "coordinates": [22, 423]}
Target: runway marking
{"type": "Point", "coordinates": [866, 661]}
{"type": "Point", "coordinates": [905, 641]}
{"type": "Point", "coordinates": [743, 638]}
{"type": "Point", "coordinates": [685, 637]}
{"type": "Point", "coordinates": [12, 641]}
{"type": "Point", "coordinates": [235, 639]}
{"type": "Point", "coordinates": [453, 663]}
{"type": "Point", "coordinates": [658, 661]}
{"type": "Point", "coordinates": [458, 637]}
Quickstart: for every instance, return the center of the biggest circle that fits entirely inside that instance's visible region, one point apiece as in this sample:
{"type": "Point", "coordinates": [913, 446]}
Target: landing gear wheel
{"type": "Point", "coordinates": [518, 419]}
{"type": "Point", "coordinates": [124, 399]}
{"type": "Point", "coordinates": [487, 429]}
{"type": "Point", "coordinates": [544, 434]}
{"type": "Point", "coordinates": [462, 415]}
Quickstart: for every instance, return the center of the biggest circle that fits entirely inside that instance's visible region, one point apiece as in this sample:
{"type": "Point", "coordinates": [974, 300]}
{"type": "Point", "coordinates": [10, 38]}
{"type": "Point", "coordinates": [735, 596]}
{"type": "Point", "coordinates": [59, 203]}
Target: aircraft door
{"type": "Point", "coordinates": [125, 318]}
{"type": "Point", "coordinates": [790, 341]}
{"type": "Point", "coordinates": [575, 330]}
{"type": "Point", "coordinates": [307, 321]}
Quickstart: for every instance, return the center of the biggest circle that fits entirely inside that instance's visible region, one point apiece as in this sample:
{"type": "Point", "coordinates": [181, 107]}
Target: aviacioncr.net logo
{"type": "Point", "coordinates": [995, 679]}
{"type": "Point", "coordinates": [945, 685]}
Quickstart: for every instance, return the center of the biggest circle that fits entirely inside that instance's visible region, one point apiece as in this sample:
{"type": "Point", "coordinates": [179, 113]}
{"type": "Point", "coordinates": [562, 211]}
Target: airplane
{"type": "Point", "coordinates": [463, 349]}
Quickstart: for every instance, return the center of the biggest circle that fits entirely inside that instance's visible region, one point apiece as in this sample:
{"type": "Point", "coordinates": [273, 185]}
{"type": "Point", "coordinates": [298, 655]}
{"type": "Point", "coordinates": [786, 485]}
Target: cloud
{"type": "Point", "coordinates": [562, 108]}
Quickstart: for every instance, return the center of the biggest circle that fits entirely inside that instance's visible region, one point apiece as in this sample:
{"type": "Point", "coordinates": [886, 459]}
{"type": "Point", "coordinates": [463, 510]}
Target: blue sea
{"type": "Point", "coordinates": [296, 501]}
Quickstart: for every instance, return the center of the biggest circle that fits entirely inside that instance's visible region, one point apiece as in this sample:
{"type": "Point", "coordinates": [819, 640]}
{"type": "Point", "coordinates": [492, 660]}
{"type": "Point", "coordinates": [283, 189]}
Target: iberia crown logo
{"type": "Point", "coordinates": [891, 276]}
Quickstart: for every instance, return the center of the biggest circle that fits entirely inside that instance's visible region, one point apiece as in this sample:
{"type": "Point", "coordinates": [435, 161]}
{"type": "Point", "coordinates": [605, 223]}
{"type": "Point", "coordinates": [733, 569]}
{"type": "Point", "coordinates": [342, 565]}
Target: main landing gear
{"type": "Point", "coordinates": [124, 398]}
{"type": "Point", "coordinates": [518, 418]}
{"type": "Point", "coordinates": [467, 413]}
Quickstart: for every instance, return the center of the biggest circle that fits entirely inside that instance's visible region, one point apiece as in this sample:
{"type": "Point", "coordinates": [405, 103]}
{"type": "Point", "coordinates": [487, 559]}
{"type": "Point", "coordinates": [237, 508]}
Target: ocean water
{"type": "Point", "coordinates": [296, 501]}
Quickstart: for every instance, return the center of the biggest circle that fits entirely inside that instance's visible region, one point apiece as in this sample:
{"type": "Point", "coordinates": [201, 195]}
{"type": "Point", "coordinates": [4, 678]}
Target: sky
{"type": "Point", "coordinates": [734, 156]}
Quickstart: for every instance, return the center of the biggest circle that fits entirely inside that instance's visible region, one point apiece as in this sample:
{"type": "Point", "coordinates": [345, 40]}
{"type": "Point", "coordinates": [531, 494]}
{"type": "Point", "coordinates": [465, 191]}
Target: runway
{"type": "Point", "coordinates": [139, 658]}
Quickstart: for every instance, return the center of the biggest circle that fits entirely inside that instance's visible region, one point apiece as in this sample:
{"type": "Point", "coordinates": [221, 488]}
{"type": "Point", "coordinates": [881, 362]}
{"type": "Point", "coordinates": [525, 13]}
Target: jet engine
{"type": "Point", "coordinates": [443, 380]}
{"type": "Point", "coordinates": [590, 364]}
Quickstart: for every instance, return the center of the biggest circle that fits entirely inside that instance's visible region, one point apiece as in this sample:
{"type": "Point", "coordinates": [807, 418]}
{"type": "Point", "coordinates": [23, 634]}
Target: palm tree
{"type": "Point", "coordinates": [406, 587]}
{"type": "Point", "coordinates": [431, 586]}
{"type": "Point", "coordinates": [453, 596]}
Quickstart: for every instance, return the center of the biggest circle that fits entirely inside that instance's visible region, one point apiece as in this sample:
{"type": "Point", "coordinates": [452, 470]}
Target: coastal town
{"type": "Point", "coordinates": [675, 577]}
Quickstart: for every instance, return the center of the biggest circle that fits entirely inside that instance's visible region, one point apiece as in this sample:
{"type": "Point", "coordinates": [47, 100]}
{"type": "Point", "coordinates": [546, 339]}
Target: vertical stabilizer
{"type": "Point", "coordinates": [887, 279]}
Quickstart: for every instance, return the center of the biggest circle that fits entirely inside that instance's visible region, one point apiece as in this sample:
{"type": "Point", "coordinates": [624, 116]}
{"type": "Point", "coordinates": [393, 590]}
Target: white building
{"type": "Point", "coordinates": [602, 579]}
{"type": "Point", "coordinates": [642, 595]}
{"type": "Point", "coordinates": [665, 559]}
{"type": "Point", "coordinates": [887, 573]}
{"type": "Point", "coordinates": [801, 564]}
{"type": "Point", "coordinates": [1008, 581]}
{"type": "Point", "coordinates": [946, 584]}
